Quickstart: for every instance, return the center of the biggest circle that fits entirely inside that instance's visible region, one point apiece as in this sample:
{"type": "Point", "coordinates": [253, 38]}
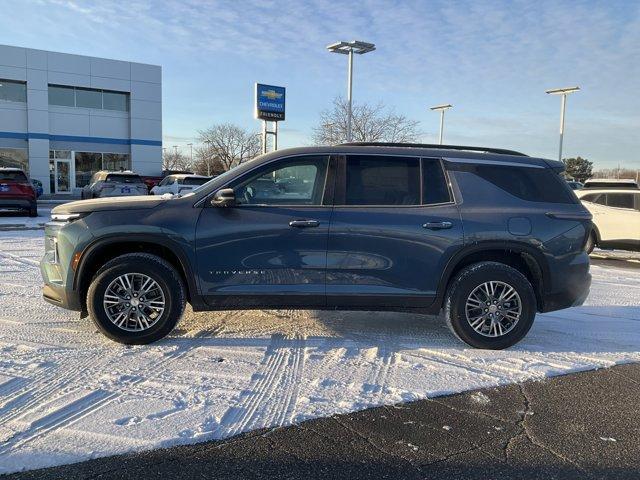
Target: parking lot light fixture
{"type": "Point", "coordinates": [563, 105]}
{"type": "Point", "coordinates": [349, 48]}
{"type": "Point", "coordinates": [441, 109]}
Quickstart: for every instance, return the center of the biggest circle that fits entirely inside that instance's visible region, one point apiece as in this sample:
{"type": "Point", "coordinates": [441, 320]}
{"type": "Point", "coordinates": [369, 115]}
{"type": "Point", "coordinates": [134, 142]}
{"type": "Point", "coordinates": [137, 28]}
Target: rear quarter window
{"type": "Point", "coordinates": [527, 183]}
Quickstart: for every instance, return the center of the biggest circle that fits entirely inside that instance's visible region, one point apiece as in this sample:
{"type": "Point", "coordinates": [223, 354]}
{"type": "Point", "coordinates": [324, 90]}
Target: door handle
{"type": "Point", "coordinates": [437, 225]}
{"type": "Point", "coordinates": [304, 223]}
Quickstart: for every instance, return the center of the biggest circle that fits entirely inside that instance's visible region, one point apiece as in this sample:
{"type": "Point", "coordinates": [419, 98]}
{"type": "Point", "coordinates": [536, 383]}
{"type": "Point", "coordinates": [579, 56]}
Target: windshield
{"type": "Point", "coordinates": [220, 178]}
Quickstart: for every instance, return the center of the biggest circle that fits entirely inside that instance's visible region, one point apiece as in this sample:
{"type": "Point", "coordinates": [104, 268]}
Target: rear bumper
{"type": "Point", "coordinates": [17, 203]}
{"type": "Point", "coordinates": [574, 295]}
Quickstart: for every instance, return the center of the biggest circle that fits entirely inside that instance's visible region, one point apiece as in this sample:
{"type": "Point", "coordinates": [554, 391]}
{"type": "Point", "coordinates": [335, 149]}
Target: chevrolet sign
{"type": "Point", "coordinates": [270, 102]}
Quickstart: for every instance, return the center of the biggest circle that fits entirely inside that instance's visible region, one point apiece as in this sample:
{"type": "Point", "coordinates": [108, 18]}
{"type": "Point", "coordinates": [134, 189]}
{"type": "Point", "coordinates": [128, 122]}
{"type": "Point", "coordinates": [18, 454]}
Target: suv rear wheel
{"type": "Point", "coordinates": [136, 298]}
{"type": "Point", "coordinates": [490, 305]}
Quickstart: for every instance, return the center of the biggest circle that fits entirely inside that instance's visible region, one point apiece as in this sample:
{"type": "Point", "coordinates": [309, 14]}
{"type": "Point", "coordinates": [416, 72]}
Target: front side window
{"type": "Point", "coordinates": [620, 200]}
{"type": "Point", "coordinates": [290, 182]}
{"type": "Point", "coordinates": [380, 180]}
{"type": "Point", "coordinates": [12, 91]}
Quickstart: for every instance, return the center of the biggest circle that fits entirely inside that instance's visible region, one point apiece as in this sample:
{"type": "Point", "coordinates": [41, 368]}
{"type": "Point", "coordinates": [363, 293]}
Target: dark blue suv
{"type": "Point", "coordinates": [488, 236]}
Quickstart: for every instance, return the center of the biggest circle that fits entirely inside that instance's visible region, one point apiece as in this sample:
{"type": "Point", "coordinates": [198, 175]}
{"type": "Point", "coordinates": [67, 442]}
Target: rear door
{"type": "Point", "coordinates": [394, 227]}
{"type": "Point", "coordinates": [619, 221]}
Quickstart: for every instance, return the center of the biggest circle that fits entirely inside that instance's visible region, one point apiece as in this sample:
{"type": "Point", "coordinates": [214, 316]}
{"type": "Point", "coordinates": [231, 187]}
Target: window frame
{"type": "Point", "coordinates": [327, 192]}
{"type": "Point", "coordinates": [341, 181]}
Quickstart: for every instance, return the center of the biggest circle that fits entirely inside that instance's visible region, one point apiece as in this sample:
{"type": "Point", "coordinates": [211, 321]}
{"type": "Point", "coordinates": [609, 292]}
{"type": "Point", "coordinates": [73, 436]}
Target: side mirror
{"type": "Point", "coordinates": [224, 198]}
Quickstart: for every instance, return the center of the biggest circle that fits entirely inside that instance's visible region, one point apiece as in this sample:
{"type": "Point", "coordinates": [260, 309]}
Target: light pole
{"type": "Point", "coordinates": [190, 145]}
{"type": "Point", "coordinates": [349, 48]}
{"type": "Point", "coordinates": [563, 105]}
{"type": "Point", "coordinates": [208, 143]}
{"type": "Point", "coordinates": [441, 109]}
{"type": "Point", "coordinates": [175, 150]}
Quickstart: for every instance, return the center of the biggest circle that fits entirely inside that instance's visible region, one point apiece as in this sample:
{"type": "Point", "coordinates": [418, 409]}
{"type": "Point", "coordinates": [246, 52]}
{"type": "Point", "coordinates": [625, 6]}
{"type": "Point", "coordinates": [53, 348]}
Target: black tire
{"type": "Point", "coordinates": [466, 282]}
{"type": "Point", "coordinates": [159, 270]}
{"type": "Point", "coordinates": [33, 211]}
{"type": "Point", "coordinates": [591, 242]}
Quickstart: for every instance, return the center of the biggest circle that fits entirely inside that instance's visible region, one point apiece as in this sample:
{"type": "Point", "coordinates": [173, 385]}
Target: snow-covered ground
{"type": "Point", "coordinates": [10, 219]}
{"type": "Point", "coordinates": [68, 394]}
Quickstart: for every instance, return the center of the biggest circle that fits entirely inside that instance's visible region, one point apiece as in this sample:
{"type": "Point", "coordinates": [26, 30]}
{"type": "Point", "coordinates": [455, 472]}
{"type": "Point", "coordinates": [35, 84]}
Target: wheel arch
{"type": "Point", "coordinates": [105, 249]}
{"type": "Point", "coordinates": [523, 257]}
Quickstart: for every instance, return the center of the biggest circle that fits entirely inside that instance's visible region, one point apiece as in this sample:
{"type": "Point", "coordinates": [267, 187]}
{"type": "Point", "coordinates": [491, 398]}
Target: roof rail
{"type": "Point", "coordinates": [499, 151]}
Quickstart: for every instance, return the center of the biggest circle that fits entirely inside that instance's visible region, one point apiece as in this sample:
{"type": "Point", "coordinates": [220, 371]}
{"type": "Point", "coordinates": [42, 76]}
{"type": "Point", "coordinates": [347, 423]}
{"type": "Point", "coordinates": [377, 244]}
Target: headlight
{"type": "Point", "coordinates": [51, 245]}
{"type": "Point", "coordinates": [67, 217]}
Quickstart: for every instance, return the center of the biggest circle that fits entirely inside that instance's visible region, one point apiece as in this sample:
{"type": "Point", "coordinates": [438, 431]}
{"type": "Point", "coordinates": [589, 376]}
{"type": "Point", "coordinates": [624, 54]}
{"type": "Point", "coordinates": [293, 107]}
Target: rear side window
{"type": "Point", "coordinates": [620, 200]}
{"type": "Point", "coordinates": [434, 183]}
{"type": "Point", "coordinates": [592, 197]}
{"type": "Point", "coordinates": [124, 178]}
{"type": "Point", "coordinates": [379, 180]}
{"type": "Point", "coordinates": [528, 183]}
{"type": "Point", "coordinates": [13, 176]}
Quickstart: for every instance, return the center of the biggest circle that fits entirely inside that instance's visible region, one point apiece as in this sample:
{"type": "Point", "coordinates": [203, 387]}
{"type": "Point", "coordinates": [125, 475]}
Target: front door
{"type": "Point", "coordinates": [271, 248]}
{"type": "Point", "coordinates": [63, 176]}
{"type": "Point", "coordinates": [393, 229]}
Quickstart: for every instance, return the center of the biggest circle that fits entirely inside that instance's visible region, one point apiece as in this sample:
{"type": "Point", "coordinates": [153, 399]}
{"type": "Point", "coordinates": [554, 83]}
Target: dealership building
{"type": "Point", "coordinates": [64, 117]}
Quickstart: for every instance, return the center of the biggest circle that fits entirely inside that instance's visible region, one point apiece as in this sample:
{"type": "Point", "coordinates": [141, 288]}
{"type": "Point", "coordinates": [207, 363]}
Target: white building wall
{"type": "Point", "coordinates": [41, 127]}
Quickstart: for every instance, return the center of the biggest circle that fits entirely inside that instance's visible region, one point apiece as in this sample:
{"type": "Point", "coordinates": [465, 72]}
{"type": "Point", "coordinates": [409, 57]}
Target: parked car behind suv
{"type": "Point", "coordinates": [114, 184]}
{"type": "Point", "coordinates": [179, 184]}
{"type": "Point", "coordinates": [616, 216]}
{"type": "Point", "coordinates": [488, 236]}
{"type": "Point", "coordinates": [16, 193]}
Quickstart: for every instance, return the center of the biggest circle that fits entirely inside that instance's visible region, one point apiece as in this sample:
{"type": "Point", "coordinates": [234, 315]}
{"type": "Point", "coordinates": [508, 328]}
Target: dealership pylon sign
{"type": "Point", "coordinates": [270, 108]}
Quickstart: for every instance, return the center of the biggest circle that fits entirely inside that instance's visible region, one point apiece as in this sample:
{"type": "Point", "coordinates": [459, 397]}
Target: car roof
{"type": "Point", "coordinates": [444, 151]}
{"type": "Point", "coordinates": [586, 191]}
{"type": "Point", "coordinates": [185, 175]}
{"type": "Point", "coordinates": [11, 169]}
{"type": "Point", "coordinates": [118, 172]}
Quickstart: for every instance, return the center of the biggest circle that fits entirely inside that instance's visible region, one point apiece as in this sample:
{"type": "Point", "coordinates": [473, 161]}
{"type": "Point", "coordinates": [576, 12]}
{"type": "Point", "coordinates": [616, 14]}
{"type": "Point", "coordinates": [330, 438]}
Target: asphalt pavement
{"type": "Point", "coordinates": [582, 426]}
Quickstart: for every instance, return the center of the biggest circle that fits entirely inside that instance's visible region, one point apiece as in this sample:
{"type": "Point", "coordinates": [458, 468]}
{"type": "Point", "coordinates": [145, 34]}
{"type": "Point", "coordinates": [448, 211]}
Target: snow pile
{"type": "Point", "coordinates": [68, 394]}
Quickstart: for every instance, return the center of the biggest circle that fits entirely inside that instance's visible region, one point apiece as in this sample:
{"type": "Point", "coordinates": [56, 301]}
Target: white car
{"type": "Point", "coordinates": [616, 216]}
{"type": "Point", "coordinates": [179, 184]}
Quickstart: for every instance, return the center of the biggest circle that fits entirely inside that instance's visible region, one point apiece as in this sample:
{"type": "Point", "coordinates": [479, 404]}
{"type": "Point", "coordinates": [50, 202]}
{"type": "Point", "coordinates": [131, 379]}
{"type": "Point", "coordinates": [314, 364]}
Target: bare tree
{"type": "Point", "coordinates": [228, 144]}
{"type": "Point", "coordinates": [370, 123]}
{"type": "Point", "coordinates": [205, 162]}
{"type": "Point", "coordinates": [175, 161]}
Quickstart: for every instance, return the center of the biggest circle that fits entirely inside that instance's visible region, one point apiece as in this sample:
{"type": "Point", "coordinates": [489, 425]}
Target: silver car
{"type": "Point", "coordinates": [114, 184]}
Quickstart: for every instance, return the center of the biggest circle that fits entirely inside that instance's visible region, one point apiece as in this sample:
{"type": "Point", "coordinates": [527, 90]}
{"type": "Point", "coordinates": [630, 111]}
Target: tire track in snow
{"type": "Point", "coordinates": [279, 375]}
{"type": "Point", "coordinates": [77, 409]}
{"type": "Point", "coordinates": [23, 261]}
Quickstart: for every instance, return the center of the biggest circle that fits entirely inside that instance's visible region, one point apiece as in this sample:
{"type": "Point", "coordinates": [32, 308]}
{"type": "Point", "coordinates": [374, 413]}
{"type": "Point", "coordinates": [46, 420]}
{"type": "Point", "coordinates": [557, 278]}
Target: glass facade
{"type": "Point", "coordinates": [13, 91]}
{"type": "Point", "coordinates": [15, 157]}
{"type": "Point", "coordinates": [88, 98]}
{"type": "Point", "coordinates": [88, 163]}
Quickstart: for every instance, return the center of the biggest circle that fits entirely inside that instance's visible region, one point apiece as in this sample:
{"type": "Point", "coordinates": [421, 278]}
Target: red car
{"type": "Point", "coordinates": [16, 193]}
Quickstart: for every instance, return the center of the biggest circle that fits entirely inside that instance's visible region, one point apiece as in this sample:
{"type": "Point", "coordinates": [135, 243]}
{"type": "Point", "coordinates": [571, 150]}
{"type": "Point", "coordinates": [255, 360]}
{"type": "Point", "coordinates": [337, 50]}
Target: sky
{"type": "Point", "coordinates": [492, 60]}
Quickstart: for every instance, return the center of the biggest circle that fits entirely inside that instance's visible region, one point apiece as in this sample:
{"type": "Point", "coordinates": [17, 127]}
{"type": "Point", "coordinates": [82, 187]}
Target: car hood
{"type": "Point", "coordinates": [110, 203]}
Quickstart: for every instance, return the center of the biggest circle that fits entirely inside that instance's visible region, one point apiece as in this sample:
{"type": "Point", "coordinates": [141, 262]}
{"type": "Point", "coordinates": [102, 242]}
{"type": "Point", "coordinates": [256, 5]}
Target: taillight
{"type": "Point", "coordinates": [26, 188]}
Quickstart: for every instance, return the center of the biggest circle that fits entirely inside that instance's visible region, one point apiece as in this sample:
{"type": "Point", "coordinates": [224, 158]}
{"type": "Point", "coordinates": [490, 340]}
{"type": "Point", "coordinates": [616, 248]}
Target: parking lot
{"type": "Point", "coordinates": [67, 394]}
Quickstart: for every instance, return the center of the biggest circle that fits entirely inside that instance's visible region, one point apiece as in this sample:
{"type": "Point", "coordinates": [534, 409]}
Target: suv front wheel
{"type": "Point", "coordinates": [490, 305]}
{"type": "Point", "coordinates": [136, 298]}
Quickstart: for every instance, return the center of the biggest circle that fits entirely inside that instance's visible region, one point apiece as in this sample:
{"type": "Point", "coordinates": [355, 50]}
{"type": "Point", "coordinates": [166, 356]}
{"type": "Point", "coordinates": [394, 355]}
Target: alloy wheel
{"type": "Point", "coordinates": [134, 302]}
{"type": "Point", "coordinates": [493, 309]}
